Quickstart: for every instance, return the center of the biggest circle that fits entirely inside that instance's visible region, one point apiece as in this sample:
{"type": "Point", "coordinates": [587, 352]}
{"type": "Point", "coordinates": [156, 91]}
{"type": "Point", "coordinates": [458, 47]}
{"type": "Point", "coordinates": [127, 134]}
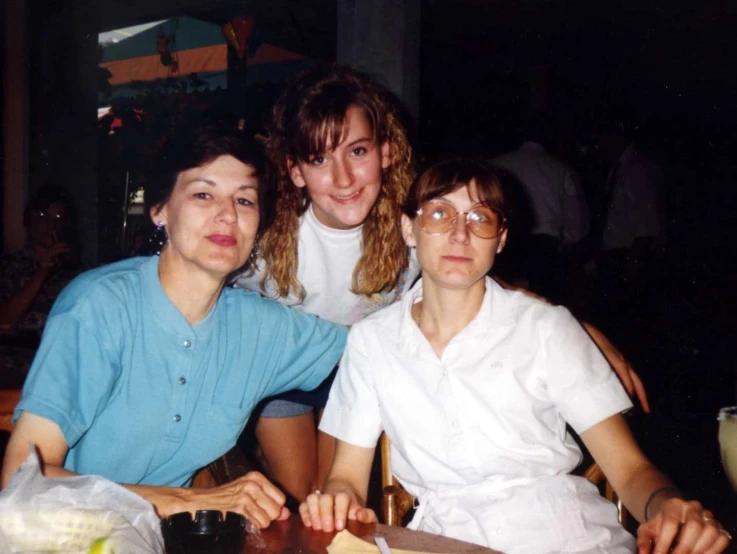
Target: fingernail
{"type": "Point", "coordinates": [339, 523]}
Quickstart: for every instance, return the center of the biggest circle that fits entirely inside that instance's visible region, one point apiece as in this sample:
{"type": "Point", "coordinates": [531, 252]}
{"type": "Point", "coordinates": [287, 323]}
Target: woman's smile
{"type": "Point", "coordinates": [347, 198]}
{"type": "Point", "coordinates": [223, 240]}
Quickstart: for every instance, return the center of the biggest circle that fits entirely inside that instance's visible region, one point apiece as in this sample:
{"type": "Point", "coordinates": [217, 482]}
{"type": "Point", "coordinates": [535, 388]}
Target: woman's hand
{"type": "Point", "coordinates": [630, 379]}
{"type": "Point", "coordinates": [252, 495]}
{"type": "Point", "coordinates": [50, 258]}
{"type": "Point", "coordinates": [683, 525]}
{"type": "Point", "coordinates": [328, 512]}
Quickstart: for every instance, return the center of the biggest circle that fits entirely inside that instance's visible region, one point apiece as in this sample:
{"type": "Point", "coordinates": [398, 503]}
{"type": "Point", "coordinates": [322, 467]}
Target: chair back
{"type": "Point", "coordinates": [396, 502]}
{"type": "Point", "coordinates": [227, 468]}
{"type": "Point", "coordinates": [9, 399]}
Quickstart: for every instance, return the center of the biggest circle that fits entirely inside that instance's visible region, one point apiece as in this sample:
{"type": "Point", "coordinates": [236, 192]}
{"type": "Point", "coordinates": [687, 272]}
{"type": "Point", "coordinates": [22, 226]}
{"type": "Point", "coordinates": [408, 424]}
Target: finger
{"type": "Point", "coordinates": [688, 536]}
{"type": "Point", "coordinates": [268, 487]}
{"type": "Point", "coordinates": [284, 514]}
{"type": "Point", "coordinates": [342, 503]}
{"type": "Point", "coordinates": [709, 534]}
{"type": "Point", "coordinates": [254, 512]}
{"type": "Point", "coordinates": [258, 494]}
{"type": "Point", "coordinates": [304, 513]}
{"type": "Point", "coordinates": [720, 544]}
{"type": "Point", "coordinates": [366, 515]}
{"type": "Point", "coordinates": [664, 539]}
{"type": "Point", "coordinates": [640, 391]}
{"type": "Point", "coordinates": [327, 511]}
{"type": "Point", "coordinates": [314, 510]}
{"type": "Point", "coordinates": [645, 536]}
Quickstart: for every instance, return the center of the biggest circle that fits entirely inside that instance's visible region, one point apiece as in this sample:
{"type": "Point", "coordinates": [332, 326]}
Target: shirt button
{"type": "Point", "coordinates": [182, 381]}
{"type": "Point", "coordinates": [187, 344]}
{"type": "Point", "coordinates": [177, 418]}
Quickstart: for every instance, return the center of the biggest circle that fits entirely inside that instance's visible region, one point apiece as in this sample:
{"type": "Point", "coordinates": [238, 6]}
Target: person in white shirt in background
{"type": "Point", "coordinates": [474, 386]}
{"type": "Point", "coordinates": [634, 226]}
{"type": "Point", "coordinates": [557, 204]}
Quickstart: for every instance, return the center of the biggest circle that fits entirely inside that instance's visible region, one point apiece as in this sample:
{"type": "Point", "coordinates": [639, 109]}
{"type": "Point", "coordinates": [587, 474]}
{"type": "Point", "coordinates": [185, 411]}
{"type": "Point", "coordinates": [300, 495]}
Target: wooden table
{"type": "Point", "coordinates": [291, 537]}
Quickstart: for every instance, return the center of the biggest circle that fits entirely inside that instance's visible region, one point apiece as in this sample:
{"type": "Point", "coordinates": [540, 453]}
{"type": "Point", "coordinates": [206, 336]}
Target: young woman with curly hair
{"type": "Point", "coordinates": [344, 166]}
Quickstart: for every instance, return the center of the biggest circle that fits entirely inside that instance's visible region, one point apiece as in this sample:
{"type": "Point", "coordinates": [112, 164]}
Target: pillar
{"type": "Point", "coordinates": [15, 123]}
{"type": "Point", "coordinates": [382, 38]}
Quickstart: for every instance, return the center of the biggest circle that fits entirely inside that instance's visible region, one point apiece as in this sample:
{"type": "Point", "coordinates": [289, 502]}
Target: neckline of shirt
{"type": "Point", "coordinates": [164, 311]}
{"type": "Point", "coordinates": [342, 235]}
{"type": "Point", "coordinates": [491, 314]}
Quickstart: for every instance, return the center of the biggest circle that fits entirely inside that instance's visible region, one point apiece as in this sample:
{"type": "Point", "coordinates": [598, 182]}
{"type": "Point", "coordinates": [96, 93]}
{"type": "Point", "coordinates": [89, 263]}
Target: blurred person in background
{"type": "Point", "coordinates": [31, 278]}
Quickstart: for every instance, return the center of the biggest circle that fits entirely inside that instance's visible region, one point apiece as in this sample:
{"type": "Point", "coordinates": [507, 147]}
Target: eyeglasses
{"type": "Point", "coordinates": [438, 217]}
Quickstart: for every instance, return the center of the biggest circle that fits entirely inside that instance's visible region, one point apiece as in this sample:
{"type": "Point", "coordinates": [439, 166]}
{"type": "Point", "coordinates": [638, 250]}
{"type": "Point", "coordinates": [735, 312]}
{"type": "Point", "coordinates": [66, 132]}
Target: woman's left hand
{"type": "Point", "coordinates": [684, 525]}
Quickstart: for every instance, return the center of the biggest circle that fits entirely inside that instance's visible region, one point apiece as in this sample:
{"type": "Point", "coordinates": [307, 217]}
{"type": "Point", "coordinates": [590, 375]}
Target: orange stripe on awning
{"type": "Point", "coordinates": [197, 60]}
{"type": "Point", "coordinates": [148, 68]}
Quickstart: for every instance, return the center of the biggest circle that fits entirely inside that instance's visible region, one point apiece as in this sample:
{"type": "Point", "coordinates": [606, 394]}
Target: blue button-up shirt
{"type": "Point", "coordinates": [141, 395]}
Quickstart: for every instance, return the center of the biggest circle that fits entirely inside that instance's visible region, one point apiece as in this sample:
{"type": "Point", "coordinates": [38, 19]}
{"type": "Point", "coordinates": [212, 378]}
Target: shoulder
{"type": "Point", "coordinates": [525, 309]}
{"type": "Point", "coordinates": [108, 285]}
{"type": "Point", "coordinates": [249, 305]}
{"type": "Point", "coordinates": [383, 323]}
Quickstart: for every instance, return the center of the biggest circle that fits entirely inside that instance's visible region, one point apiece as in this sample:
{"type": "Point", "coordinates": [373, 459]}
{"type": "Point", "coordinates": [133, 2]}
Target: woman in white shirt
{"type": "Point", "coordinates": [474, 386]}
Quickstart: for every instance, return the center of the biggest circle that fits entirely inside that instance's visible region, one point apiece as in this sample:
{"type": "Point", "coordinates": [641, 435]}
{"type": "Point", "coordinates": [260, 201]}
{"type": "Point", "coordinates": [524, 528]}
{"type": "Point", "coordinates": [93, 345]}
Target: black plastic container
{"type": "Point", "coordinates": [207, 533]}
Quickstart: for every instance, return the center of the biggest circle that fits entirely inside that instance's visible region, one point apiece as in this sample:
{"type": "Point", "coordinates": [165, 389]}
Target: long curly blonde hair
{"type": "Point", "coordinates": [308, 115]}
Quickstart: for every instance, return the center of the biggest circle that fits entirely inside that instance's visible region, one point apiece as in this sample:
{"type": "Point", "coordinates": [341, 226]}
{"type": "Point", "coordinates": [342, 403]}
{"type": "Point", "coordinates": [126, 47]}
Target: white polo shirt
{"type": "Point", "coordinates": [479, 435]}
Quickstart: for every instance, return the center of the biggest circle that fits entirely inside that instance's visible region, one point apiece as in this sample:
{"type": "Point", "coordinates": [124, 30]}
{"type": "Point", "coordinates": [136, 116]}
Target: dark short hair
{"type": "Point", "coordinates": [47, 195]}
{"type": "Point", "coordinates": [199, 145]}
{"type": "Point", "coordinates": [448, 176]}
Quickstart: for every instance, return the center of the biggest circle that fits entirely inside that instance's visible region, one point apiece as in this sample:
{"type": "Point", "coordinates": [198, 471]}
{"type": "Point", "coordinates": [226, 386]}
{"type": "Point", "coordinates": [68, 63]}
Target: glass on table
{"type": "Point", "coordinates": [728, 443]}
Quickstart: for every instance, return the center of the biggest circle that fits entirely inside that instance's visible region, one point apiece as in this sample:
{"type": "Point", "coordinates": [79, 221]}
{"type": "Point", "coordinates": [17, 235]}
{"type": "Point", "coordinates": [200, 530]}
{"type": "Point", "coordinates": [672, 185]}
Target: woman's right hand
{"type": "Point", "coordinates": [252, 495]}
{"type": "Point", "coordinates": [328, 512]}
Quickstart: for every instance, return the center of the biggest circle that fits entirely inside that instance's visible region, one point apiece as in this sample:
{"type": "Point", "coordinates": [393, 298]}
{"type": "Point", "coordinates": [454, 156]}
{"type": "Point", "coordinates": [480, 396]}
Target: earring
{"type": "Point", "coordinates": [158, 238]}
{"type": "Point", "coordinates": [253, 256]}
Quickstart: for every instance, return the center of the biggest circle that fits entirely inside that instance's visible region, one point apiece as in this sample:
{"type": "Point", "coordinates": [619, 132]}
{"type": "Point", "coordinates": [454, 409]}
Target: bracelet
{"type": "Point", "coordinates": [657, 492]}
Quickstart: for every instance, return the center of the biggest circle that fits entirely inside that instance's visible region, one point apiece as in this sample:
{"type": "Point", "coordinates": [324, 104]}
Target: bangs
{"type": "Point", "coordinates": [319, 124]}
{"type": "Point", "coordinates": [447, 177]}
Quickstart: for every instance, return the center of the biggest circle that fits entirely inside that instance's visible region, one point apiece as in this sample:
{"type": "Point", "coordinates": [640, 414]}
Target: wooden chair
{"type": "Point", "coordinates": [9, 399]}
{"type": "Point", "coordinates": [396, 501]}
{"type": "Point", "coordinates": [230, 466]}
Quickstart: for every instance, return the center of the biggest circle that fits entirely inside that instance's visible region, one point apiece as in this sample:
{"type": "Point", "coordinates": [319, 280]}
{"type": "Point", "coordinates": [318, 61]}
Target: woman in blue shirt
{"type": "Point", "coordinates": [149, 368]}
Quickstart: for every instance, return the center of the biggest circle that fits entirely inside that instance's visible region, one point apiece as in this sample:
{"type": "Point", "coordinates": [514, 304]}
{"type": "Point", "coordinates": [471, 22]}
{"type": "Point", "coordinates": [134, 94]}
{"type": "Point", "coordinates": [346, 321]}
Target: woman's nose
{"type": "Point", "coordinates": [228, 212]}
{"type": "Point", "coordinates": [342, 174]}
{"type": "Point", "coordinates": [459, 230]}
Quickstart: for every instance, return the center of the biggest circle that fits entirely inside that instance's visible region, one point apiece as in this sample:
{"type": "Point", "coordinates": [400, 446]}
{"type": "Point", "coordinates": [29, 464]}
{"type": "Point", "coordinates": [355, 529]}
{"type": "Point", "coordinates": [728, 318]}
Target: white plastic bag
{"type": "Point", "coordinates": [80, 515]}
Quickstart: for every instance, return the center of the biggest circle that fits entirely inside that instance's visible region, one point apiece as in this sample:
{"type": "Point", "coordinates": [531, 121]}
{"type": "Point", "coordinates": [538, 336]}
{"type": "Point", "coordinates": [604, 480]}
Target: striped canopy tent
{"type": "Point", "coordinates": [197, 47]}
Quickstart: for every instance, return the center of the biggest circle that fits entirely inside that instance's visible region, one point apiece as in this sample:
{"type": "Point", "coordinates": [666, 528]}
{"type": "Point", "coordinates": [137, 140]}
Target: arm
{"type": "Point", "coordinates": [627, 375]}
{"type": "Point", "coordinates": [345, 491]}
{"type": "Point", "coordinates": [13, 310]}
{"type": "Point", "coordinates": [252, 495]}
{"type": "Point", "coordinates": [640, 484]}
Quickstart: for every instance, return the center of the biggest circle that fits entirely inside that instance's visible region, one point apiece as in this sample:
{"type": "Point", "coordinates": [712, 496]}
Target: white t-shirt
{"type": "Point", "coordinates": [326, 259]}
{"type": "Point", "coordinates": [553, 189]}
{"type": "Point", "coordinates": [479, 435]}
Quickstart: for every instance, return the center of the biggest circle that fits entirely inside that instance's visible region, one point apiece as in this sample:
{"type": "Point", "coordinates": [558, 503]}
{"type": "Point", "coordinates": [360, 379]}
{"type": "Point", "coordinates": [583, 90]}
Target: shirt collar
{"type": "Point", "coordinates": [164, 311]}
{"type": "Point", "coordinates": [494, 313]}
